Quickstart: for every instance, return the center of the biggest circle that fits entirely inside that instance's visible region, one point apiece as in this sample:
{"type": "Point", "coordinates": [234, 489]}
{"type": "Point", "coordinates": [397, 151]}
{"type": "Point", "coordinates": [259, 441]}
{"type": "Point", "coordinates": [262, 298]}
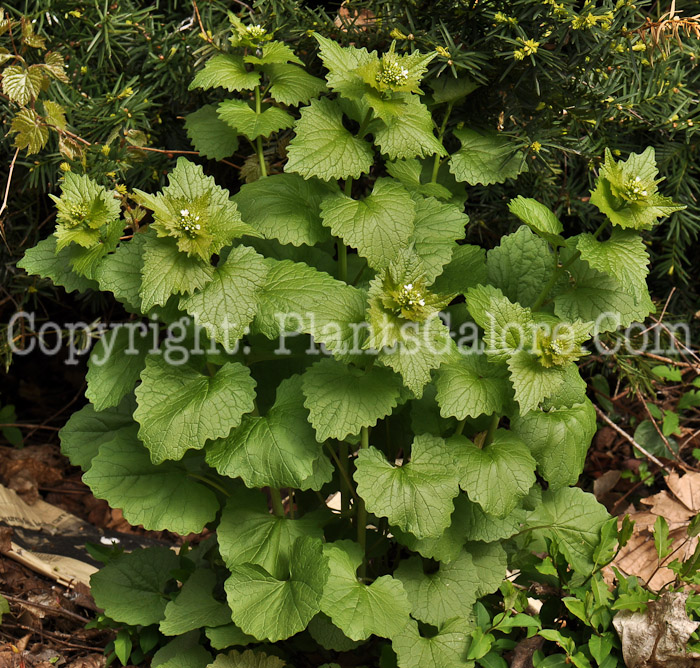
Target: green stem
{"type": "Point", "coordinates": [276, 498]}
{"type": "Point", "coordinates": [291, 504]}
{"type": "Point", "coordinates": [492, 429]}
{"type": "Point", "coordinates": [346, 486]}
{"type": "Point", "coordinates": [258, 140]}
{"type": "Point", "coordinates": [342, 469]}
{"type": "Point", "coordinates": [441, 133]}
{"type": "Point", "coordinates": [361, 519]}
{"type": "Point", "coordinates": [460, 427]}
{"type": "Point", "coordinates": [213, 484]}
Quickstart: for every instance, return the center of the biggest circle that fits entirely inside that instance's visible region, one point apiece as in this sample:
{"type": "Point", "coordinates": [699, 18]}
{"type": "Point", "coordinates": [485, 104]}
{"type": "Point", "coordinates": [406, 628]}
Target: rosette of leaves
{"type": "Point", "coordinates": [253, 432]}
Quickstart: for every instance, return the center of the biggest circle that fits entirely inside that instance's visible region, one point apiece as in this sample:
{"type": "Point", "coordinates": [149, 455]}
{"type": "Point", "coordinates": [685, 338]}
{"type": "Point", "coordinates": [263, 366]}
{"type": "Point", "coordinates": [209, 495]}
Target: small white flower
{"type": "Point", "coordinates": [184, 212]}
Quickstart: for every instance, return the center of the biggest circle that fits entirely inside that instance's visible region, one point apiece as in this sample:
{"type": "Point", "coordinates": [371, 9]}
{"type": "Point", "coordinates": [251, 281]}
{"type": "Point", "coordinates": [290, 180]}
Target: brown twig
{"type": "Point", "coordinates": [663, 312]}
{"type": "Point", "coordinates": [48, 608]}
{"type": "Point", "coordinates": [627, 437]}
{"type": "Point", "coordinates": [7, 194]}
{"type": "Point", "coordinates": [171, 153]}
{"type": "Point", "coordinates": [20, 425]}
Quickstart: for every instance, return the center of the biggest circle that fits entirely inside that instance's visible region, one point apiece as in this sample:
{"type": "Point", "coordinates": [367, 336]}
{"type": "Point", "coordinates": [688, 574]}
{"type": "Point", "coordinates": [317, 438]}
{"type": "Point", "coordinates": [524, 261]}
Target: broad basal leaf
{"type": "Point", "coordinates": [116, 363]}
{"type": "Point", "coordinates": [573, 519]}
{"type": "Point", "coordinates": [131, 587]}
{"type": "Point", "coordinates": [274, 609]}
{"type": "Point", "coordinates": [120, 272]}
{"type": "Point", "coordinates": [195, 606]}
{"type": "Point", "coordinates": [239, 115]}
{"type": "Point", "coordinates": [342, 399]}
{"type": "Point", "coordinates": [377, 226]}
{"type": "Point", "coordinates": [361, 610]}
{"type": "Point", "coordinates": [417, 496]}
{"type": "Point", "coordinates": [558, 440]}
{"type": "Point", "coordinates": [292, 85]}
{"type": "Point", "coordinates": [497, 475]}
{"type": "Point", "coordinates": [278, 450]}
{"type": "Point", "coordinates": [212, 137]}
{"type": "Point", "coordinates": [179, 408]}
{"type": "Point", "coordinates": [409, 134]}
{"type": "Point", "coordinates": [123, 474]}
{"type": "Point", "coordinates": [453, 589]}
{"type": "Point", "coordinates": [540, 219]}
{"type": "Point", "coordinates": [485, 158]}
{"type": "Point", "coordinates": [87, 429]}
{"type": "Point", "coordinates": [323, 147]}
{"type": "Point", "coordinates": [43, 260]}
{"type": "Point", "coordinates": [228, 303]}
{"type": "Point", "coordinates": [226, 71]}
{"type": "Point", "coordinates": [248, 533]}
{"type": "Point", "coordinates": [285, 207]}
{"type": "Point", "coordinates": [247, 659]}
{"type": "Point", "coordinates": [185, 651]}
{"type": "Point", "coordinates": [445, 649]}
{"type": "Point", "coordinates": [520, 266]}
{"type": "Point", "coordinates": [469, 386]}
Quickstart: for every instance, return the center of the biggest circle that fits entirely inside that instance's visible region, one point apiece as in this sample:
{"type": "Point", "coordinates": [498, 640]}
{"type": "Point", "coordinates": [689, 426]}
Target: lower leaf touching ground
{"type": "Point", "coordinates": [274, 609]}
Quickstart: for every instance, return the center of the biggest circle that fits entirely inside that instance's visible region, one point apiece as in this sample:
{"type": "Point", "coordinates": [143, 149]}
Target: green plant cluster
{"type": "Point", "coordinates": [321, 368]}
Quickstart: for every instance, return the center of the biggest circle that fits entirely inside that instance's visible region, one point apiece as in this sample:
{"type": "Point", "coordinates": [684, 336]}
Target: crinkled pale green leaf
{"type": "Point", "coordinates": [55, 65]}
{"type": "Point", "coordinates": [627, 191]}
{"type": "Point", "coordinates": [417, 496]}
{"type": "Point", "coordinates": [248, 533]}
{"type": "Point", "coordinates": [507, 326]}
{"type": "Point", "coordinates": [195, 606]}
{"type": "Point", "coordinates": [446, 649]}
{"type": "Point", "coordinates": [328, 635]}
{"type": "Point", "coordinates": [212, 137]}
{"type": "Point", "coordinates": [120, 273]}
{"type": "Point", "coordinates": [274, 609]}
{"type": "Point", "coordinates": [465, 270]}
{"type": "Point", "coordinates": [291, 84]}
{"type": "Point", "coordinates": [469, 386]}
{"type": "Point", "coordinates": [131, 587]}
{"type": "Point", "coordinates": [377, 226]}
{"type": "Point", "coordinates": [278, 450]}
{"type": "Point", "coordinates": [559, 440]}
{"type": "Point", "coordinates": [342, 399]}
{"type": "Point", "coordinates": [185, 651]}
{"type": "Point", "coordinates": [22, 84]}
{"type": "Point", "coordinates": [573, 519]}
{"type": "Point", "coordinates": [228, 303]}
{"type": "Point", "coordinates": [437, 226]}
{"type": "Point", "coordinates": [43, 260]}
{"type": "Point", "coordinates": [225, 71]}
{"type": "Point", "coordinates": [30, 130]}
{"type": "Point", "coordinates": [87, 429]}
{"type": "Point", "coordinates": [116, 363]}
{"type": "Point", "coordinates": [55, 114]}
{"type": "Point", "coordinates": [229, 635]}
{"type": "Point", "coordinates": [285, 207]}
{"type": "Point", "coordinates": [180, 408]}
{"type": "Point", "coordinates": [481, 526]}
{"type": "Point", "coordinates": [485, 158]}
{"type": "Point", "coordinates": [342, 64]}
{"type": "Point", "coordinates": [421, 348]}
{"type": "Point", "coordinates": [520, 266]}
{"type": "Point", "coordinates": [534, 383]}
{"type": "Point", "coordinates": [540, 219]}
{"type": "Point", "coordinates": [157, 496]}
{"type": "Point", "coordinates": [361, 610]}
{"type": "Point", "coordinates": [408, 172]}
{"type": "Point", "coordinates": [250, 123]}
{"type": "Point", "coordinates": [452, 590]}
{"type": "Point", "coordinates": [166, 271]}
{"type": "Point", "coordinates": [591, 295]}
{"type": "Point", "coordinates": [498, 475]}
{"type": "Point", "coordinates": [409, 134]}
{"type": "Point", "coordinates": [323, 147]}
{"type": "Point", "coordinates": [299, 298]}
{"type": "Point", "coordinates": [623, 256]}
{"type": "Point", "coordinates": [195, 212]}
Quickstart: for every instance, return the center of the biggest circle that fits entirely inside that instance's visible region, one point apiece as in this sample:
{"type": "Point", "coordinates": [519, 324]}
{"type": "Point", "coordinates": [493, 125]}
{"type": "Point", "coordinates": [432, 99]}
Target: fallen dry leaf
{"type": "Point", "coordinates": [359, 20]}
{"type": "Point", "coordinates": [658, 637]}
{"type": "Point", "coordinates": [677, 506]}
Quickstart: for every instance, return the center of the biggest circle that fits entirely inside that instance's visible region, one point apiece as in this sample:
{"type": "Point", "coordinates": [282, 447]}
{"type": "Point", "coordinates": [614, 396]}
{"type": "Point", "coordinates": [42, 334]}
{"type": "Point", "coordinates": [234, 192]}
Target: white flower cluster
{"type": "Point", "coordinates": [410, 296]}
{"type": "Point", "coordinates": [392, 73]}
{"type": "Point", "coordinates": [635, 190]}
{"type": "Point", "coordinates": [189, 223]}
